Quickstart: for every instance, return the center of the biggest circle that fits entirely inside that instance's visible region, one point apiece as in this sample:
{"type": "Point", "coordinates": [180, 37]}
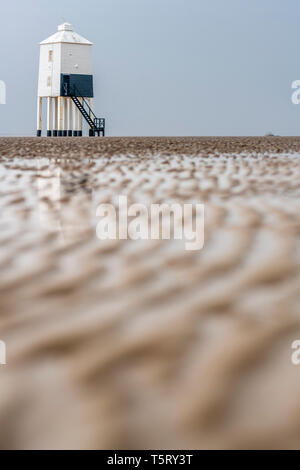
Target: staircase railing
{"type": "Point", "coordinates": [98, 123]}
{"type": "Point", "coordinates": [90, 111]}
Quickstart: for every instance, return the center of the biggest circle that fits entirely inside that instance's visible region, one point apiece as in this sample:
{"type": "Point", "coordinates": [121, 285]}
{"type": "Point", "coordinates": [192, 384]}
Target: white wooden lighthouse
{"type": "Point", "coordinates": [66, 81]}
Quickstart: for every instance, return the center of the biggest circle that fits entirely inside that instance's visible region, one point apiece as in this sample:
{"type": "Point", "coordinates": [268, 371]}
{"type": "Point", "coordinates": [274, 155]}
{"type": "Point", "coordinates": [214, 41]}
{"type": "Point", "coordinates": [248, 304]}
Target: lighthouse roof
{"type": "Point", "coordinates": [66, 33]}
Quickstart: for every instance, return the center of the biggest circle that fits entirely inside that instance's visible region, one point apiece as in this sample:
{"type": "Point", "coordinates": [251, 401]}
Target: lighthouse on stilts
{"type": "Point", "coordinates": [66, 82]}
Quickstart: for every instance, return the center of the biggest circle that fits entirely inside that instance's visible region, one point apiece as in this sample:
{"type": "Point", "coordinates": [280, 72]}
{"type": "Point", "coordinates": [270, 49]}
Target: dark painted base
{"type": "Point", "coordinates": [69, 82]}
{"type": "Point", "coordinates": [38, 133]}
{"type": "Point", "coordinates": [49, 133]}
{"type": "Point", "coordinates": [74, 133]}
{"type": "Point", "coordinates": [54, 133]}
{"type": "Point", "coordinates": [79, 133]}
{"type": "Point", "coordinates": [69, 133]}
{"type": "Point", "coordinates": [91, 133]}
{"type": "Point", "coordinates": [65, 133]}
{"type": "Point", "coordinates": [59, 133]}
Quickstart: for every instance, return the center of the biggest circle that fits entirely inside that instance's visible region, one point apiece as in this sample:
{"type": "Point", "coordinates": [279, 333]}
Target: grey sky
{"type": "Point", "coordinates": [164, 67]}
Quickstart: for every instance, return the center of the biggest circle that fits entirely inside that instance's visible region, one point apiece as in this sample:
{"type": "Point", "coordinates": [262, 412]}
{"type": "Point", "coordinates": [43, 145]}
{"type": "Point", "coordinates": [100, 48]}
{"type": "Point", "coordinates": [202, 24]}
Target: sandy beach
{"type": "Point", "coordinates": [142, 344]}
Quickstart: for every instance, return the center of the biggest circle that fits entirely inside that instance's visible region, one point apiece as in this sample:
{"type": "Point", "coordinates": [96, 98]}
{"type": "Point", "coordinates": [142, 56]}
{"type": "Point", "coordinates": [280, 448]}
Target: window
{"type": "Point", "coordinates": [48, 81]}
{"type": "Point", "coordinates": [50, 56]}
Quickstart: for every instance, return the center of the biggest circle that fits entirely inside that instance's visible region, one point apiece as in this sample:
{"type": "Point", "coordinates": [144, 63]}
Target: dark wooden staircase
{"type": "Point", "coordinates": [97, 125]}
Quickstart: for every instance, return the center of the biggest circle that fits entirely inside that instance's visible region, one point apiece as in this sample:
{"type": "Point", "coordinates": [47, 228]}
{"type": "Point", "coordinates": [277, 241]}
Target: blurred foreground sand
{"type": "Point", "coordinates": [123, 344]}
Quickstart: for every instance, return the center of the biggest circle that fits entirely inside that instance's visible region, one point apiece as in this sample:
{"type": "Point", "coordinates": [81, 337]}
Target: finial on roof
{"type": "Point", "coordinates": [65, 27]}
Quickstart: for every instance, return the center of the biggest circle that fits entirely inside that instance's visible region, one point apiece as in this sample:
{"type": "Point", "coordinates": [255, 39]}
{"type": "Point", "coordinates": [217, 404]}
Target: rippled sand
{"type": "Point", "coordinates": [141, 344]}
